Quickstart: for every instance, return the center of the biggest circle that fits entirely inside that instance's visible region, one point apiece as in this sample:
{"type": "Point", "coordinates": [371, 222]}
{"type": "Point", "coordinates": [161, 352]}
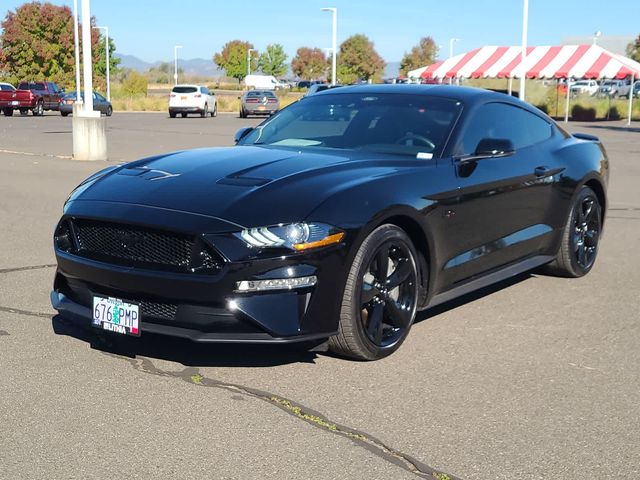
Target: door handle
{"type": "Point", "coordinates": [541, 171]}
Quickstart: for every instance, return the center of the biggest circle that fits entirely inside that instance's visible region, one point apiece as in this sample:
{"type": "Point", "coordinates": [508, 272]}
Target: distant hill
{"type": "Point", "coordinates": [203, 67]}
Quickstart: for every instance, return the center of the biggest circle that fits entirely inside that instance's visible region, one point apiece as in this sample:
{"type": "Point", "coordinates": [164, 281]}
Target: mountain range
{"type": "Point", "coordinates": [203, 67]}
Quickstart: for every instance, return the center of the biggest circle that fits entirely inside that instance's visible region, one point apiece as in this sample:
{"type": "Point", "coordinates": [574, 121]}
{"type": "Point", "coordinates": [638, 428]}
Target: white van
{"type": "Point", "coordinates": [262, 82]}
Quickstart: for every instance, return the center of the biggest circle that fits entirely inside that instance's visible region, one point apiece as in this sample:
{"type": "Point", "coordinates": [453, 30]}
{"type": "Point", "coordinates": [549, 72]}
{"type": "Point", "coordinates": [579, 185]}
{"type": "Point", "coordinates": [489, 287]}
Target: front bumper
{"type": "Point", "coordinates": [205, 307]}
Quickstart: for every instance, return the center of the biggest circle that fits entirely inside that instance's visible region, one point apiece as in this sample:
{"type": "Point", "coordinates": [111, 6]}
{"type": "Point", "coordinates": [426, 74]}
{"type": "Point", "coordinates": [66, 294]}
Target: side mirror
{"type": "Point", "coordinates": [240, 134]}
{"type": "Point", "coordinates": [494, 147]}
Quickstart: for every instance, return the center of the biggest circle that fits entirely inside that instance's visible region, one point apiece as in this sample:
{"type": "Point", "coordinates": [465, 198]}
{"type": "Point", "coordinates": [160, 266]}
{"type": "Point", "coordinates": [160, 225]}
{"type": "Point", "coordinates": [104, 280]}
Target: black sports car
{"type": "Point", "coordinates": [338, 219]}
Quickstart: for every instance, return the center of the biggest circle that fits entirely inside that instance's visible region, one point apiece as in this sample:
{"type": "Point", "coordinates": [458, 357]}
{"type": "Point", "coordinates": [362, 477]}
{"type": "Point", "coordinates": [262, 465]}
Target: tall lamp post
{"type": "Point", "coordinates": [175, 63]}
{"type": "Point", "coordinates": [76, 46]}
{"type": "Point", "coordinates": [334, 41]}
{"type": "Point", "coordinates": [106, 33]}
{"type": "Point", "coordinates": [451, 42]}
{"type": "Point", "coordinates": [249, 59]}
{"type": "Point", "coordinates": [523, 54]}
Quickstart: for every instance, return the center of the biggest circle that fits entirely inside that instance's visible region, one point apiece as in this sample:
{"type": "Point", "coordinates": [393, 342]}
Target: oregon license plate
{"type": "Point", "coordinates": [15, 102]}
{"type": "Point", "coordinates": [116, 315]}
{"type": "Point", "coordinates": [184, 97]}
{"type": "Point", "coordinates": [261, 107]}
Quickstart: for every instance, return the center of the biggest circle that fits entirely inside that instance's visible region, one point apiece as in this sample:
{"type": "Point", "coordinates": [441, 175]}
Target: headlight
{"type": "Point", "coordinates": [296, 236]}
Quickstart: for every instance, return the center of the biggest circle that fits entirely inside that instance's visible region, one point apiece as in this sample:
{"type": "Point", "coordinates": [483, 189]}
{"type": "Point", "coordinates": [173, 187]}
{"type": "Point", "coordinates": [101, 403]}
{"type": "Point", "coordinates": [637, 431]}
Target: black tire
{"type": "Point", "coordinates": [183, 115]}
{"type": "Point", "coordinates": [380, 296]}
{"type": "Point", "coordinates": [215, 111]}
{"type": "Point", "coordinates": [24, 111]}
{"type": "Point", "coordinates": [243, 114]}
{"type": "Point", "coordinates": [64, 114]}
{"type": "Point", "coordinates": [580, 238]}
{"type": "Point", "coordinates": [109, 111]}
{"type": "Point", "coordinates": [38, 110]}
{"type": "Point", "coordinates": [8, 112]}
{"type": "Point", "coordinates": [172, 114]}
{"type": "Point", "coordinates": [204, 111]}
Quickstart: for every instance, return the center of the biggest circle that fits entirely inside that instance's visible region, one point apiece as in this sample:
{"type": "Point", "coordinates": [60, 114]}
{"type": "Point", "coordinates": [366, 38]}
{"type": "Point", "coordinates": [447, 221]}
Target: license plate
{"type": "Point", "coordinates": [69, 102]}
{"type": "Point", "coordinates": [15, 102]}
{"type": "Point", "coordinates": [183, 98]}
{"type": "Point", "coordinates": [261, 107]}
{"type": "Point", "coordinates": [116, 315]}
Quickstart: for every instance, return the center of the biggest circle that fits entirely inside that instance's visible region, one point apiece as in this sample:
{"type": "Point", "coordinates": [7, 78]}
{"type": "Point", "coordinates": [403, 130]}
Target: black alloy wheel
{"type": "Point", "coordinates": [579, 247]}
{"type": "Point", "coordinates": [380, 298]}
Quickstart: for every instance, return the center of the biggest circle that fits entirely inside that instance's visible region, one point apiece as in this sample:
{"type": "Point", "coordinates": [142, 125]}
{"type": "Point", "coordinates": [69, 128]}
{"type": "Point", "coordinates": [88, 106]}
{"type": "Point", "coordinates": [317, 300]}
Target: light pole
{"type": "Point", "coordinates": [334, 47]}
{"type": "Point", "coordinates": [451, 42]}
{"type": "Point", "coordinates": [523, 54]}
{"type": "Point", "coordinates": [249, 50]}
{"type": "Point", "coordinates": [86, 59]}
{"type": "Point", "coordinates": [106, 33]}
{"type": "Point", "coordinates": [76, 46]}
{"type": "Point", "coordinates": [175, 63]}
{"type": "Point", "coordinates": [596, 35]}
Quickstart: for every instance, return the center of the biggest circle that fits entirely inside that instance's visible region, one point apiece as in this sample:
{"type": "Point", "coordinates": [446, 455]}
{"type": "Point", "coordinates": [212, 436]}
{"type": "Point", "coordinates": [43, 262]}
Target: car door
{"type": "Point", "coordinates": [99, 102]}
{"type": "Point", "coordinates": [500, 215]}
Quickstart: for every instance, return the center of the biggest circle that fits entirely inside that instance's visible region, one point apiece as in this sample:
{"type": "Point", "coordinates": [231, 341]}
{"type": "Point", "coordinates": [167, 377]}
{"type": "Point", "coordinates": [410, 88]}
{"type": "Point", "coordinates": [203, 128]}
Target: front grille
{"type": "Point", "coordinates": [143, 247]}
{"type": "Point", "coordinates": [163, 311]}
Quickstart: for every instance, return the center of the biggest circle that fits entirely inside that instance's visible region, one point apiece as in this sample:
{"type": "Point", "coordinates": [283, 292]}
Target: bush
{"type": "Point", "coordinates": [584, 114]}
{"type": "Point", "coordinates": [135, 84]}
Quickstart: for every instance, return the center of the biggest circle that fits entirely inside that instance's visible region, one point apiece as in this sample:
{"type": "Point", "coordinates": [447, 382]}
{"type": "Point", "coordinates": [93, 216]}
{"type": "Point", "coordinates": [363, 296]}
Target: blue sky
{"type": "Point", "coordinates": [149, 29]}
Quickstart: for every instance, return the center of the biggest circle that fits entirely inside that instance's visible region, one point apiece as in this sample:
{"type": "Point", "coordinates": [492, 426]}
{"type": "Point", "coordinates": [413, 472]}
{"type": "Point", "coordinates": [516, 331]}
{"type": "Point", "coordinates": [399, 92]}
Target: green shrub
{"type": "Point", "coordinates": [135, 84]}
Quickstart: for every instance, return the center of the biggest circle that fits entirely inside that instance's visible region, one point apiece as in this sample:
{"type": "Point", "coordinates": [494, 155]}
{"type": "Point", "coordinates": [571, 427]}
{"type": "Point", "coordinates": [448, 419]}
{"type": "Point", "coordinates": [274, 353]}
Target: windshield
{"type": "Point", "coordinates": [386, 123]}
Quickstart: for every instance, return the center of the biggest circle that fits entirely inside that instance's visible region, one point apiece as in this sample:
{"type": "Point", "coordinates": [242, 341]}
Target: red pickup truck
{"type": "Point", "coordinates": [34, 96]}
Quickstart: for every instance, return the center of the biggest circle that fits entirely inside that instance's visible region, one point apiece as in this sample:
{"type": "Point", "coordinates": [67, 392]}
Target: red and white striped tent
{"type": "Point", "coordinates": [565, 61]}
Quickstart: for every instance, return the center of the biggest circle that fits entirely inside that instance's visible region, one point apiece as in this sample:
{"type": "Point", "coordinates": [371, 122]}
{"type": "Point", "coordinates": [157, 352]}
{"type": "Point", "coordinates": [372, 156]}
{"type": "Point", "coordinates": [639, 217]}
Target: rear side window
{"type": "Point", "coordinates": [184, 90]}
{"type": "Point", "coordinates": [32, 86]}
{"type": "Point", "coordinates": [8, 88]}
{"type": "Point", "coordinates": [204, 90]}
{"type": "Point", "coordinates": [503, 121]}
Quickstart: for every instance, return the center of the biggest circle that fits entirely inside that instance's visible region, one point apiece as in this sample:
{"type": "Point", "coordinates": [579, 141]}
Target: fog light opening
{"type": "Point", "coordinates": [275, 284]}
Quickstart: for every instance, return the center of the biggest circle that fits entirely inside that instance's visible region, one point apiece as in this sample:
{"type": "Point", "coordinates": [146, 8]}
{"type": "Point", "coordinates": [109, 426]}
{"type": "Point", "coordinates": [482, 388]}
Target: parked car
{"type": "Point", "coordinates": [636, 89]}
{"type": "Point", "coordinates": [44, 96]}
{"type": "Point", "coordinates": [100, 104]}
{"type": "Point", "coordinates": [589, 87]}
{"type": "Point", "coordinates": [303, 84]}
{"type": "Point", "coordinates": [11, 99]}
{"type": "Point", "coordinates": [311, 230]}
{"type": "Point", "coordinates": [186, 99]}
{"type": "Point", "coordinates": [258, 102]}
{"type": "Point", "coordinates": [263, 82]}
{"type": "Point", "coordinates": [320, 87]}
{"type": "Point", "coordinates": [614, 88]}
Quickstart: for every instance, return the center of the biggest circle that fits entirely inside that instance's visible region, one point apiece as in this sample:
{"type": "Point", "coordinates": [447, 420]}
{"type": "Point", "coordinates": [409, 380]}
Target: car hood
{"type": "Point", "coordinates": [248, 185]}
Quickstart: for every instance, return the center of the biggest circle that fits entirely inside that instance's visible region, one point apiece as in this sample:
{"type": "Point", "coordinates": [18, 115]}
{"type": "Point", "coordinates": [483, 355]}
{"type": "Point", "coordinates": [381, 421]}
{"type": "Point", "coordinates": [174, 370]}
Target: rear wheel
{"type": "Point", "coordinates": [579, 247]}
{"type": "Point", "coordinates": [183, 115]}
{"type": "Point", "coordinates": [380, 297]}
{"type": "Point", "coordinates": [172, 114]}
{"type": "Point", "coordinates": [8, 112]}
{"type": "Point", "coordinates": [109, 111]}
{"type": "Point", "coordinates": [64, 114]}
{"type": "Point", "coordinates": [243, 114]}
{"type": "Point", "coordinates": [24, 111]}
{"type": "Point", "coordinates": [204, 111]}
{"type": "Point", "coordinates": [215, 110]}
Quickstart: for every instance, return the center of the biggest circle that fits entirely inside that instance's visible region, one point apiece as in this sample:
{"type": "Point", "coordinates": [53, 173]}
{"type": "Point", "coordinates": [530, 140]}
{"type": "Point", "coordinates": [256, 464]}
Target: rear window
{"type": "Point", "coordinates": [32, 86]}
{"type": "Point", "coordinates": [255, 94]}
{"type": "Point", "coordinates": [184, 90]}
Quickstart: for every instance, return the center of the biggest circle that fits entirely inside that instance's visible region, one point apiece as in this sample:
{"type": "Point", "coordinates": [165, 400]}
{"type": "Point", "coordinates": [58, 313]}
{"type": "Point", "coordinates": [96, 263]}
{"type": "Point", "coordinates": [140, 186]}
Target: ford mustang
{"type": "Point", "coordinates": [334, 221]}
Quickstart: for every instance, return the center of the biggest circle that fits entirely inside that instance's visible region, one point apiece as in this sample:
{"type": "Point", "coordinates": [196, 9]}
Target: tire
{"type": "Point", "coordinates": [204, 111]}
{"type": "Point", "coordinates": [243, 114]}
{"type": "Point", "coordinates": [215, 111]}
{"type": "Point", "coordinates": [109, 111]}
{"type": "Point", "coordinates": [24, 111]}
{"type": "Point", "coordinates": [64, 114]}
{"type": "Point", "coordinates": [38, 110]}
{"type": "Point", "coordinates": [580, 238]}
{"type": "Point", "coordinates": [172, 114]}
{"type": "Point", "coordinates": [8, 112]}
{"type": "Point", "coordinates": [183, 115]}
{"type": "Point", "coordinates": [375, 316]}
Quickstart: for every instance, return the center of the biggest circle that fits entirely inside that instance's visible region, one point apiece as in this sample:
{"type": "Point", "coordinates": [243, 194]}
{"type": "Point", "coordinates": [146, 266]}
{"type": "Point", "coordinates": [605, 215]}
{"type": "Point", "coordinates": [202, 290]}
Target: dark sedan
{"type": "Point", "coordinates": [337, 219]}
{"type": "Point", "coordinates": [100, 104]}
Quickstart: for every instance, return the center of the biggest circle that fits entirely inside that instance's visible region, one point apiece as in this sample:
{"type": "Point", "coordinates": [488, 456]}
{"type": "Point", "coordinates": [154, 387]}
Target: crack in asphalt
{"type": "Point", "coordinates": [31, 154]}
{"type": "Point", "coordinates": [25, 312]}
{"type": "Point", "coordinates": [30, 267]}
{"type": "Point", "coordinates": [362, 439]}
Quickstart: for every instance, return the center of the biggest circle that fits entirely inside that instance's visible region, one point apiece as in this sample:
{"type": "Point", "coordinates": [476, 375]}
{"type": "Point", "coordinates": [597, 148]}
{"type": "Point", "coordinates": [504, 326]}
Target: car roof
{"type": "Point", "coordinates": [467, 95]}
{"type": "Point", "coordinates": [186, 85]}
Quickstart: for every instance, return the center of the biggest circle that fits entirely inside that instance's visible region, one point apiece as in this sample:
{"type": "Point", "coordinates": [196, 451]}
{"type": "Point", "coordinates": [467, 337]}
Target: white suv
{"type": "Point", "coordinates": [186, 99]}
{"type": "Point", "coordinates": [584, 86]}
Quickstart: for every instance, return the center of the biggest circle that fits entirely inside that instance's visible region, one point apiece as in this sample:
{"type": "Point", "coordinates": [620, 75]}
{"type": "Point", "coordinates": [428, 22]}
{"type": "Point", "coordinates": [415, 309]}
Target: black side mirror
{"type": "Point", "coordinates": [494, 147]}
{"type": "Point", "coordinates": [240, 134]}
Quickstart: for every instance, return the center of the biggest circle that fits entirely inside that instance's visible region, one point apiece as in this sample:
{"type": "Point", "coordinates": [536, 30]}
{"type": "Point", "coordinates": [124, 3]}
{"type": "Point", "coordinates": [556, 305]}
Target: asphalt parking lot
{"type": "Point", "coordinates": [534, 379]}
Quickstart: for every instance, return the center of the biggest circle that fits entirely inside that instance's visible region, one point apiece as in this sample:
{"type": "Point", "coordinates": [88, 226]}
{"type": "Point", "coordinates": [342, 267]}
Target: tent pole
{"type": "Point", "coordinates": [630, 100]}
{"type": "Point", "coordinates": [566, 108]}
{"type": "Point", "coordinates": [510, 85]}
{"type": "Point", "coordinates": [557, 95]}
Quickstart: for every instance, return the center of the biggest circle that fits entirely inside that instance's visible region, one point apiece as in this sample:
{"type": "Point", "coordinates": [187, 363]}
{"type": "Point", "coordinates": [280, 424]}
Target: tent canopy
{"type": "Point", "coordinates": [565, 61]}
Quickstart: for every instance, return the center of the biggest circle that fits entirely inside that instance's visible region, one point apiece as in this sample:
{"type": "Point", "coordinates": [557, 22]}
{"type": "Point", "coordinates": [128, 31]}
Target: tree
{"type": "Point", "coordinates": [37, 43]}
{"type": "Point", "coordinates": [273, 60]}
{"type": "Point", "coordinates": [633, 49]}
{"type": "Point", "coordinates": [233, 59]}
{"type": "Point", "coordinates": [99, 55]}
{"type": "Point", "coordinates": [424, 53]}
{"type": "Point", "coordinates": [358, 60]}
{"type": "Point", "coordinates": [309, 63]}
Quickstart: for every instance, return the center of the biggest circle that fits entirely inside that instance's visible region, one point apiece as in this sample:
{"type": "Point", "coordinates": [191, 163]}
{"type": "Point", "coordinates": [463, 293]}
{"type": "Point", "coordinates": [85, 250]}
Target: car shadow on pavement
{"type": "Point", "coordinates": [615, 128]}
{"type": "Point", "coordinates": [183, 351]}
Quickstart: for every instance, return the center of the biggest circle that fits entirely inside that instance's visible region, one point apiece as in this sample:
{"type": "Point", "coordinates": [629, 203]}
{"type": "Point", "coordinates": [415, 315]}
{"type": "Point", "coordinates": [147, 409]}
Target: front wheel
{"type": "Point", "coordinates": [580, 238]}
{"type": "Point", "coordinates": [38, 110]}
{"type": "Point", "coordinates": [215, 110]}
{"type": "Point", "coordinates": [380, 296]}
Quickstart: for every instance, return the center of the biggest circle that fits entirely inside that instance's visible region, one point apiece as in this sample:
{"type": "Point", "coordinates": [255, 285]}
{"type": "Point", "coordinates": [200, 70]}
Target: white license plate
{"type": "Point", "coordinates": [15, 102]}
{"type": "Point", "coordinates": [183, 98]}
{"type": "Point", "coordinates": [116, 315]}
